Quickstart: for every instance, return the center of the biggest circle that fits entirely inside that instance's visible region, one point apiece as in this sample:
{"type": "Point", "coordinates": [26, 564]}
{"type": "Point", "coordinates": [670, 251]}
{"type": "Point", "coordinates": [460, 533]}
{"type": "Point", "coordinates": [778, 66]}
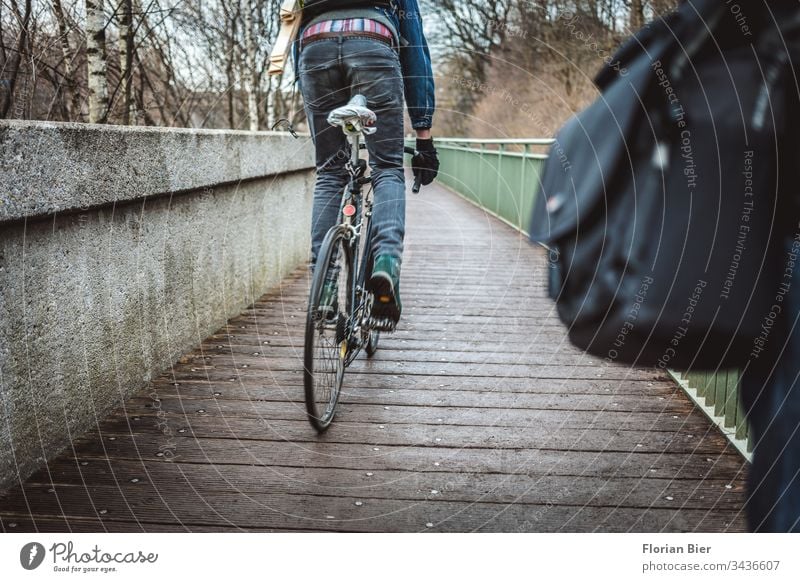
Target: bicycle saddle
{"type": "Point", "coordinates": [354, 117]}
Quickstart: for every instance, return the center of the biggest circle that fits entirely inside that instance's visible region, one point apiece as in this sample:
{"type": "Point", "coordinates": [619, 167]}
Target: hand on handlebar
{"type": "Point", "coordinates": [425, 163]}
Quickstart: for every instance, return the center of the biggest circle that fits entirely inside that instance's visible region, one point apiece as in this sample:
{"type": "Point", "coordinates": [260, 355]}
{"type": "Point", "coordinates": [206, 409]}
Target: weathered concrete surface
{"type": "Point", "coordinates": [93, 303]}
{"type": "Point", "coordinates": [52, 167]}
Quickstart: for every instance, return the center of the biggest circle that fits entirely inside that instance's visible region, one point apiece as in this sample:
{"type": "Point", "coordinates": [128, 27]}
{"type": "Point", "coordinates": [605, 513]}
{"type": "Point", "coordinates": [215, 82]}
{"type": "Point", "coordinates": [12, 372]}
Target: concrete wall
{"type": "Point", "coordinates": [120, 249]}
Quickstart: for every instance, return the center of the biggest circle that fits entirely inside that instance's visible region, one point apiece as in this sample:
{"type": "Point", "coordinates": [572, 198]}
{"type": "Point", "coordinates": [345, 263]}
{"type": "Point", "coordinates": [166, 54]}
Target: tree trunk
{"type": "Point", "coordinates": [141, 116]}
{"type": "Point", "coordinates": [230, 57]}
{"type": "Point", "coordinates": [272, 92]}
{"type": "Point", "coordinates": [126, 58]}
{"type": "Point", "coordinates": [73, 93]}
{"type": "Point", "coordinates": [637, 14]}
{"type": "Point", "coordinates": [97, 61]}
{"type": "Point", "coordinates": [250, 64]}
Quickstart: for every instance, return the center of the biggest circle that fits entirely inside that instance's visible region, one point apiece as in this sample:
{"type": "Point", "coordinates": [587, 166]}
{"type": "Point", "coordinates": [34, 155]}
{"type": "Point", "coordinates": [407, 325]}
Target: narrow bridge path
{"type": "Point", "coordinates": [476, 415]}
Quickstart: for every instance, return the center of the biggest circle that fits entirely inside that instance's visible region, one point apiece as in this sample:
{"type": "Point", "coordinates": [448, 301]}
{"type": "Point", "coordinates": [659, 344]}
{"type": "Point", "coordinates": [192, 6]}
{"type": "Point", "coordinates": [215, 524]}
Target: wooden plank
{"type": "Point", "coordinates": [473, 370]}
{"type": "Point", "coordinates": [433, 397]}
{"type": "Point", "coordinates": [185, 447]}
{"type": "Point", "coordinates": [235, 355]}
{"type": "Point", "coordinates": [202, 378]}
{"type": "Point", "coordinates": [70, 471]}
{"type": "Point", "coordinates": [321, 456]}
{"type": "Point", "coordinates": [355, 411]}
{"type": "Point", "coordinates": [35, 524]}
{"type": "Point", "coordinates": [417, 434]}
{"type": "Point", "coordinates": [283, 331]}
{"type": "Point", "coordinates": [246, 343]}
{"type": "Point", "coordinates": [141, 501]}
{"type": "Point", "coordinates": [170, 480]}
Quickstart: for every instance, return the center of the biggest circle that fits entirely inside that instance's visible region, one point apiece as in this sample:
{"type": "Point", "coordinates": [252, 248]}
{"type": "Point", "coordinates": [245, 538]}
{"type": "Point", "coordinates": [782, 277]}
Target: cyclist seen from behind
{"type": "Point", "coordinates": [375, 48]}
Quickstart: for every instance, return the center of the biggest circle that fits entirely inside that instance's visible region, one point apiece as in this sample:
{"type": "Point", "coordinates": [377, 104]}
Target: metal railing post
{"type": "Point", "coordinates": [525, 149]}
{"type": "Point", "coordinates": [480, 169]}
{"type": "Point", "coordinates": [500, 149]}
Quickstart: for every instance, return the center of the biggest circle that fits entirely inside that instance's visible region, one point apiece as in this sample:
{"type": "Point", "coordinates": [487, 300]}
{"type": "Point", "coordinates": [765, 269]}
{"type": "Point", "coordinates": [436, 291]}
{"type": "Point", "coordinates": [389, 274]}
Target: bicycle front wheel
{"type": "Point", "coordinates": [328, 322]}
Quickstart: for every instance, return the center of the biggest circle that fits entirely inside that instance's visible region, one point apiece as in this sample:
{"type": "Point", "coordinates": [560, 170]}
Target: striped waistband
{"type": "Point", "coordinates": [348, 25]}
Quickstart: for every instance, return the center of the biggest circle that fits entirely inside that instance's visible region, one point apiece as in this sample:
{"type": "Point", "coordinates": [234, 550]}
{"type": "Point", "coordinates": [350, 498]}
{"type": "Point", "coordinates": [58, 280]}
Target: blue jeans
{"type": "Point", "coordinates": [770, 394]}
{"type": "Point", "coordinates": [331, 71]}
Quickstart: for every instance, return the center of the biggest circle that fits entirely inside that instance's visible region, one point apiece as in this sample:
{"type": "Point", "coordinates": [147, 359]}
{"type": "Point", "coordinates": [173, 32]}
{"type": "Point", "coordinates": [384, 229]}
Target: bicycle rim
{"type": "Point", "coordinates": [326, 337]}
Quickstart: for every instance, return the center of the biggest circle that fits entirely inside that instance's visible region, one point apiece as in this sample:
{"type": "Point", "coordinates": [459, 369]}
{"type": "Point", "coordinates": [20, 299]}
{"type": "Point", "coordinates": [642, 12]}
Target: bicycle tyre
{"type": "Point", "coordinates": [325, 350]}
{"type": "Point", "coordinates": [372, 342]}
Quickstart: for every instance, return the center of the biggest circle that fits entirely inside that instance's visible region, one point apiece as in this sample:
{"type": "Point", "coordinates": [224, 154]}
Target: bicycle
{"type": "Point", "coordinates": [339, 329]}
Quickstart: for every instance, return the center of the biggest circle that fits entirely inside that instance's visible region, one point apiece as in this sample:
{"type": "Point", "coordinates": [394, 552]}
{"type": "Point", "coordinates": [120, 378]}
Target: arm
{"type": "Point", "coordinates": [415, 62]}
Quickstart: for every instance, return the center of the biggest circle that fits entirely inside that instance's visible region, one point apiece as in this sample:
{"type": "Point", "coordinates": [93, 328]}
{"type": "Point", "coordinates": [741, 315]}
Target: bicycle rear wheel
{"type": "Point", "coordinates": [327, 328]}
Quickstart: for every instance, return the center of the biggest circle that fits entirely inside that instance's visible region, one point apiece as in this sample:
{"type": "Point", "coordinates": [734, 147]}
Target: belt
{"type": "Point", "coordinates": [352, 34]}
{"type": "Point", "coordinates": [379, 36]}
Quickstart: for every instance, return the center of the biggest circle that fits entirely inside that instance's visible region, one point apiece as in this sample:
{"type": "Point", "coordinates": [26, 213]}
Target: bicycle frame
{"type": "Point", "coordinates": [355, 212]}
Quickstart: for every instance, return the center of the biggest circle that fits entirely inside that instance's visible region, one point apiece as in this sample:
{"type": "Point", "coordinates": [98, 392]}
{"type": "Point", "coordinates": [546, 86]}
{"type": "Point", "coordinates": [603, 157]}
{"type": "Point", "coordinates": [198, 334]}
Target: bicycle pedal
{"type": "Point", "coordinates": [382, 324]}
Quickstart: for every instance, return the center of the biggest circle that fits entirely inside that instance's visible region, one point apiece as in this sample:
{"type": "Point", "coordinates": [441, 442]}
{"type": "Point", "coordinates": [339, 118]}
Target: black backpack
{"type": "Point", "coordinates": [659, 202]}
{"type": "Point", "coordinates": [313, 8]}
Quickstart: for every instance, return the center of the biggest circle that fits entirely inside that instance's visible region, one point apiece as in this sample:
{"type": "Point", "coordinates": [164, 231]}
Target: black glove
{"type": "Point", "coordinates": [425, 163]}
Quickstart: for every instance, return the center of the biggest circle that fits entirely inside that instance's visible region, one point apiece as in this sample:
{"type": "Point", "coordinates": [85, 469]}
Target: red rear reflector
{"type": "Point", "coordinates": [349, 210]}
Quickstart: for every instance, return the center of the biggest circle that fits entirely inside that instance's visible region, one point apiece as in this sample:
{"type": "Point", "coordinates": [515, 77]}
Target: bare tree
{"type": "Point", "coordinates": [126, 33]}
{"type": "Point", "coordinates": [473, 31]}
{"type": "Point", "coordinates": [499, 61]}
{"type": "Point", "coordinates": [12, 65]}
{"type": "Point", "coordinates": [250, 64]}
{"type": "Point", "coordinates": [231, 15]}
{"type": "Point", "coordinates": [98, 63]}
{"type": "Point", "coordinates": [73, 104]}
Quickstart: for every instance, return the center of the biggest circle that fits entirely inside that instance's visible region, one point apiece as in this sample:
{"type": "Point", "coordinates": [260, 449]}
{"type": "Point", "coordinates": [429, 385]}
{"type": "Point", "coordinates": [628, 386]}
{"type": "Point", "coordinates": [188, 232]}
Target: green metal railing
{"type": "Point", "coordinates": [718, 395]}
{"type": "Point", "coordinates": [499, 175]}
{"type": "Point", "coordinates": [502, 177]}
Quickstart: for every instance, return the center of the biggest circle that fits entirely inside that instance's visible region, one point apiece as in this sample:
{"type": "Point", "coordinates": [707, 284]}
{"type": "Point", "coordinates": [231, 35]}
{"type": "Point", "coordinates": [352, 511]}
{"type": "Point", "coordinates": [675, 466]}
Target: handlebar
{"type": "Point", "coordinates": [409, 150]}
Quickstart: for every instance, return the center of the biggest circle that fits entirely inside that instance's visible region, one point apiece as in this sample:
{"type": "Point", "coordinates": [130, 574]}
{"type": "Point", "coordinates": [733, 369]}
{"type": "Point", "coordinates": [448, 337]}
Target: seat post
{"type": "Point", "coordinates": [354, 143]}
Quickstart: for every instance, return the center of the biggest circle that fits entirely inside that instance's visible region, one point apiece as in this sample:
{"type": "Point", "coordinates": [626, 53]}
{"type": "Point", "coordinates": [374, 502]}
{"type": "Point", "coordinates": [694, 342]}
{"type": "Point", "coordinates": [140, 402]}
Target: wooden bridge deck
{"type": "Point", "coordinates": [475, 415]}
